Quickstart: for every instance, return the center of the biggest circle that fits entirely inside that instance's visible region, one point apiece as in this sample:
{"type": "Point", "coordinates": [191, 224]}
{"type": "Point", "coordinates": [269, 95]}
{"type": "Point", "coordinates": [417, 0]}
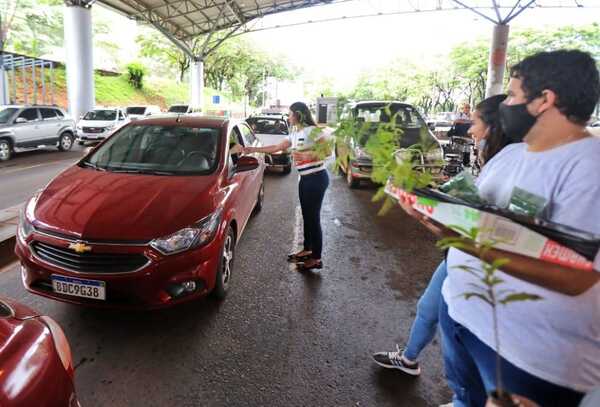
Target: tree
{"type": "Point", "coordinates": [156, 46]}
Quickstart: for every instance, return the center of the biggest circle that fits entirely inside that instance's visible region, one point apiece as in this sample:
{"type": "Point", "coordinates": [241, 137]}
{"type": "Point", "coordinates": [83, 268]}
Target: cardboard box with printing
{"type": "Point", "coordinates": [508, 234]}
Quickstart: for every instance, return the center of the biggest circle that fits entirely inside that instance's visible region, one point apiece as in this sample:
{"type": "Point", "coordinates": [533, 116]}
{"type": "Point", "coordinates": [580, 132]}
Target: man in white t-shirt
{"type": "Point", "coordinates": [550, 348]}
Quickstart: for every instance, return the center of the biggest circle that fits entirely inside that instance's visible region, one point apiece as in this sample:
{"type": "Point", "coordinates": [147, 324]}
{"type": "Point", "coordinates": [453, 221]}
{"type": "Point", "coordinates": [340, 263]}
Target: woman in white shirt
{"type": "Point", "coordinates": [314, 181]}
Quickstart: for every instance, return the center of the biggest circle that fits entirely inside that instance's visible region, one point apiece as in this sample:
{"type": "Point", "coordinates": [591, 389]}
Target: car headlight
{"type": "Point", "coordinates": [25, 227]}
{"type": "Point", "coordinates": [198, 234]}
{"type": "Point", "coordinates": [107, 128]}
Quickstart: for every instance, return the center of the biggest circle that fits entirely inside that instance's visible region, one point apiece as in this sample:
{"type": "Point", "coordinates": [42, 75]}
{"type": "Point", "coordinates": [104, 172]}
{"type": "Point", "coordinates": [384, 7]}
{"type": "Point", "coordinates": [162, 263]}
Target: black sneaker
{"type": "Point", "coordinates": [395, 360]}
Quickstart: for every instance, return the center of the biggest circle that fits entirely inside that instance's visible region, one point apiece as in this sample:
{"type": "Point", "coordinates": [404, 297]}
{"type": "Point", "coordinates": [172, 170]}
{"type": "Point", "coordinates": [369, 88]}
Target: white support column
{"type": "Point", "coordinates": [497, 61]}
{"type": "Point", "coordinates": [4, 92]}
{"type": "Point", "coordinates": [80, 68]}
{"type": "Point", "coordinates": [197, 84]}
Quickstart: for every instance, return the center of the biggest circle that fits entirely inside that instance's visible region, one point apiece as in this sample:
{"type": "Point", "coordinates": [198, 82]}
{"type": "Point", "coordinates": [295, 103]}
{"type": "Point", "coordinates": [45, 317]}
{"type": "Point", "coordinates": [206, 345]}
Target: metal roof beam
{"type": "Point", "coordinates": [236, 11]}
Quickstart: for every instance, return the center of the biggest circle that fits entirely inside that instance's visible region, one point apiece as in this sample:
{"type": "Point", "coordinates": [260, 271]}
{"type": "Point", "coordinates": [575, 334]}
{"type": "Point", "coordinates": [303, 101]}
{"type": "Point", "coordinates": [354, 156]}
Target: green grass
{"type": "Point", "coordinates": [117, 91]}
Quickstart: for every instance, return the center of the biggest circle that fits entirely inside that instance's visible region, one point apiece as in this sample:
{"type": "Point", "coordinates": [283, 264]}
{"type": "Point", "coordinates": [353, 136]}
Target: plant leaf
{"type": "Point", "coordinates": [519, 297]}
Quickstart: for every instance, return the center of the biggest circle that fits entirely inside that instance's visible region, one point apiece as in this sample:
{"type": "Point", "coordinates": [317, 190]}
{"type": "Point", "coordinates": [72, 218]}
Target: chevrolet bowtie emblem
{"type": "Point", "coordinates": [80, 247]}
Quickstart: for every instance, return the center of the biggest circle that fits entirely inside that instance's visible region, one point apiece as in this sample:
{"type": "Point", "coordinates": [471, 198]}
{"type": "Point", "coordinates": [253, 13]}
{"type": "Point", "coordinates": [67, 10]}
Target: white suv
{"type": "Point", "coordinates": [98, 124]}
{"type": "Point", "coordinates": [24, 128]}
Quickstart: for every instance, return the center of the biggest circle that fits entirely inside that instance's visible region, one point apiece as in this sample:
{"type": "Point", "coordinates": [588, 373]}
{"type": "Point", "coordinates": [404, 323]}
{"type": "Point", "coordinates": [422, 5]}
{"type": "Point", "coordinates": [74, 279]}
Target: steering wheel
{"type": "Point", "coordinates": [200, 156]}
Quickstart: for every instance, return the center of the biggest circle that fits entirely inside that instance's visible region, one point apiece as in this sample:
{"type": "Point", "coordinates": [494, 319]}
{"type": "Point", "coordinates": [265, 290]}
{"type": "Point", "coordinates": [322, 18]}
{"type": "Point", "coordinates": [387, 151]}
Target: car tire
{"type": "Point", "coordinates": [287, 169]}
{"type": "Point", "coordinates": [260, 200]}
{"type": "Point", "coordinates": [65, 141]}
{"type": "Point", "coordinates": [352, 182]}
{"type": "Point", "coordinates": [225, 266]}
{"type": "Point", "coordinates": [6, 150]}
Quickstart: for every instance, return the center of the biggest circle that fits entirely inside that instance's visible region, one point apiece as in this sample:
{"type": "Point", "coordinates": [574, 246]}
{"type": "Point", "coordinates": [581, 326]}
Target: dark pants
{"type": "Point", "coordinates": [312, 189]}
{"type": "Point", "coordinates": [471, 369]}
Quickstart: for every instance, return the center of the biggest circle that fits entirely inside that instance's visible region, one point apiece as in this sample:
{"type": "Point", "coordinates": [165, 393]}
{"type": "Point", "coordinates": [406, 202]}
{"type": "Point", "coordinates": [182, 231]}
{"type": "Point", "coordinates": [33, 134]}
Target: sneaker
{"type": "Point", "coordinates": [395, 360]}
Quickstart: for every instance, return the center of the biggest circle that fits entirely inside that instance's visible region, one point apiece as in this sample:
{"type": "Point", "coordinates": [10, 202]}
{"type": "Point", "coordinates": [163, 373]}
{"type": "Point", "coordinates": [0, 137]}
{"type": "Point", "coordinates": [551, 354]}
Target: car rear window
{"type": "Point", "coordinates": [178, 109]}
{"type": "Point", "coordinates": [136, 110]}
{"type": "Point", "coordinates": [268, 126]}
{"type": "Point", "coordinates": [159, 150]}
{"type": "Point", "coordinates": [101, 115]}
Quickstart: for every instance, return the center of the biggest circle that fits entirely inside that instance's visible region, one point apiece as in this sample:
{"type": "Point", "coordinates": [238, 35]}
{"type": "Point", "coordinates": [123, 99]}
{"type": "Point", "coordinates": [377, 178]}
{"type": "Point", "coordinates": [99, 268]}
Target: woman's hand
{"type": "Point", "coordinates": [405, 203]}
{"type": "Point", "coordinates": [236, 149]}
{"type": "Point", "coordinates": [299, 156]}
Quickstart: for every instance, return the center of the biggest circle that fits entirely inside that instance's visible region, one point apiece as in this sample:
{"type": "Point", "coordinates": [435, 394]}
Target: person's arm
{"type": "Point", "coordinates": [284, 145]}
{"type": "Point", "coordinates": [561, 279]}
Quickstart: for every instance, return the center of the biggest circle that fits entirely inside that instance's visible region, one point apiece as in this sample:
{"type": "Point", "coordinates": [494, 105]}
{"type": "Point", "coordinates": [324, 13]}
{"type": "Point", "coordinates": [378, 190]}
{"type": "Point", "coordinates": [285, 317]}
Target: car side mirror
{"type": "Point", "coordinates": [246, 163]}
{"type": "Point", "coordinates": [20, 120]}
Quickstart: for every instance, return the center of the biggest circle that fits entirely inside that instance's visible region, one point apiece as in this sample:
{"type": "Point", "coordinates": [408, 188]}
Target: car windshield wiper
{"type": "Point", "coordinates": [94, 166]}
{"type": "Point", "coordinates": [125, 170]}
{"type": "Point", "coordinates": [158, 172]}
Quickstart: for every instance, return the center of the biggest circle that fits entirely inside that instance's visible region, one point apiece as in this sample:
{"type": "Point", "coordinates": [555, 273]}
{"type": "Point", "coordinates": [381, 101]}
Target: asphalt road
{"type": "Point", "coordinates": [280, 338]}
{"type": "Point", "coordinates": [27, 172]}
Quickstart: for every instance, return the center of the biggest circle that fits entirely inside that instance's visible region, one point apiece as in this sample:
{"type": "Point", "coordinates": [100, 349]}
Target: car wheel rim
{"type": "Point", "coordinates": [66, 142]}
{"type": "Point", "coordinates": [4, 151]}
{"type": "Point", "coordinates": [227, 260]}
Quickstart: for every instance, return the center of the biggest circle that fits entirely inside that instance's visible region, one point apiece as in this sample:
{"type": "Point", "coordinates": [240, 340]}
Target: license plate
{"type": "Point", "coordinates": [79, 287]}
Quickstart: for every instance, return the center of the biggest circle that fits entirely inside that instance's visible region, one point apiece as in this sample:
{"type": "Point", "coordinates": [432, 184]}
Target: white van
{"type": "Point", "coordinates": [99, 123]}
{"type": "Point", "coordinates": [138, 112]}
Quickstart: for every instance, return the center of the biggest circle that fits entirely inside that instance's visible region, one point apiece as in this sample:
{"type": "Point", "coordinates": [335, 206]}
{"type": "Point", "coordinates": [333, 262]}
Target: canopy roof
{"type": "Point", "coordinates": [184, 20]}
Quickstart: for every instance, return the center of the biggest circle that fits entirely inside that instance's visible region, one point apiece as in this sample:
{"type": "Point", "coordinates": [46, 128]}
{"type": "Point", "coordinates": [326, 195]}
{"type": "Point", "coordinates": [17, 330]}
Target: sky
{"type": "Point", "coordinates": [343, 49]}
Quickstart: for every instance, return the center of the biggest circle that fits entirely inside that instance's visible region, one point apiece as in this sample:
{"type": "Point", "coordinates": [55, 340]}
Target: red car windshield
{"type": "Point", "coordinates": [158, 150]}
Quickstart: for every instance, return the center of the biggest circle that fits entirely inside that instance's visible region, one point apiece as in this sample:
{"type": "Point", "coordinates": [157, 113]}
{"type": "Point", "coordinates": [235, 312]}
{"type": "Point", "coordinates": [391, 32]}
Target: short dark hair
{"type": "Point", "coordinates": [571, 74]}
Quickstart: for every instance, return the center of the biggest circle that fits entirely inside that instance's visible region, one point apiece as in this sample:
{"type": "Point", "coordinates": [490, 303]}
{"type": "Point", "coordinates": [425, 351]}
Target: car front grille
{"type": "Point", "coordinates": [93, 129]}
{"type": "Point", "coordinates": [101, 263]}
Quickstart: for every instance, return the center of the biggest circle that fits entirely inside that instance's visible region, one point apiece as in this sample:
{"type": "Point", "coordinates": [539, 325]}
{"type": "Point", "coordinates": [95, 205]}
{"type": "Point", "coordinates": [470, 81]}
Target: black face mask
{"type": "Point", "coordinates": [516, 121]}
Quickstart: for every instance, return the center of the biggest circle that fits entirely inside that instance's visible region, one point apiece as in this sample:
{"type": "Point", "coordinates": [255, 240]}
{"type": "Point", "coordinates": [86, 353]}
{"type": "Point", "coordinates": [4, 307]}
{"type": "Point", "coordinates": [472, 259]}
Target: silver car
{"type": "Point", "coordinates": [24, 128]}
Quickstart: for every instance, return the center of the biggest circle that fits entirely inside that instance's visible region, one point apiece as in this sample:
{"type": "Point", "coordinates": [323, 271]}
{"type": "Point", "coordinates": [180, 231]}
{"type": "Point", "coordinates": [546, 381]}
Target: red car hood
{"type": "Point", "coordinates": [115, 206]}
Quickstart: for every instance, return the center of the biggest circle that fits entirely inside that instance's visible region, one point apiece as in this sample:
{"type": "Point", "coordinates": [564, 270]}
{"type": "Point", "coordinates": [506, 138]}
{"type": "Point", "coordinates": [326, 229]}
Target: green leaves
{"type": "Point", "coordinates": [517, 297]}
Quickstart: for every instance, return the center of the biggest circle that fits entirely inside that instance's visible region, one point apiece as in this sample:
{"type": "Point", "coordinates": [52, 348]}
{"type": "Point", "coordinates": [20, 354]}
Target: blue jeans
{"type": "Point", "coordinates": [311, 190]}
{"type": "Point", "coordinates": [471, 370]}
{"type": "Point", "coordinates": [425, 324]}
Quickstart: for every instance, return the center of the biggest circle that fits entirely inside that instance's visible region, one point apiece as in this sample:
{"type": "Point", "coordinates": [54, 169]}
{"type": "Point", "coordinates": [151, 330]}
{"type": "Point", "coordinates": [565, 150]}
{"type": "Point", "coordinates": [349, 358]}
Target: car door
{"type": "Point", "coordinates": [251, 140]}
{"type": "Point", "coordinates": [247, 195]}
{"type": "Point", "coordinates": [28, 132]}
{"type": "Point", "coordinates": [50, 124]}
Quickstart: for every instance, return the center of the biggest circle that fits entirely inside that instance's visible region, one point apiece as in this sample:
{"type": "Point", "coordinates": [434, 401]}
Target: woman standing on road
{"type": "Point", "coordinates": [304, 139]}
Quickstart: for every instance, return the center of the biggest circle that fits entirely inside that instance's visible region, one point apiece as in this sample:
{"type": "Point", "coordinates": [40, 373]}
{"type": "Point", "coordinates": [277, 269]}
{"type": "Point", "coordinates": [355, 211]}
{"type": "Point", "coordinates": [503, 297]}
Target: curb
{"type": "Point", "coordinates": [9, 219]}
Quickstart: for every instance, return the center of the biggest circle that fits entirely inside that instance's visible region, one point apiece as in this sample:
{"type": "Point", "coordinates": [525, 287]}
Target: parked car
{"type": "Point", "coordinates": [99, 123]}
{"type": "Point", "coordinates": [37, 366]}
{"type": "Point", "coordinates": [24, 128]}
{"type": "Point", "coordinates": [137, 112]}
{"type": "Point", "coordinates": [149, 218]}
{"type": "Point", "coordinates": [355, 163]}
{"type": "Point", "coordinates": [272, 129]}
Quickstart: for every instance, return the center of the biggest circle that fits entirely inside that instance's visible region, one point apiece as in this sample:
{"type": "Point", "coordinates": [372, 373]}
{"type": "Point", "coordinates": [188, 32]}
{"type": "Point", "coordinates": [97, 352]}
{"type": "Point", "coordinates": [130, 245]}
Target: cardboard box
{"type": "Point", "coordinates": [509, 235]}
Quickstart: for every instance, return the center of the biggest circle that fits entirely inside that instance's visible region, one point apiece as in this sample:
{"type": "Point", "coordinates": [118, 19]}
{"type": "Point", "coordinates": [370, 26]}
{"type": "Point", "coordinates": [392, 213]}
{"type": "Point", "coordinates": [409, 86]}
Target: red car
{"type": "Point", "coordinates": [147, 219]}
{"type": "Point", "coordinates": [36, 367]}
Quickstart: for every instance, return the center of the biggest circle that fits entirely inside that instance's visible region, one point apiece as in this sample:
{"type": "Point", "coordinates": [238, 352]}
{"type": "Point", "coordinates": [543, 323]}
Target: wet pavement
{"type": "Point", "coordinates": [27, 172]}
{"type": "Point", "coordinates": [280, 338]}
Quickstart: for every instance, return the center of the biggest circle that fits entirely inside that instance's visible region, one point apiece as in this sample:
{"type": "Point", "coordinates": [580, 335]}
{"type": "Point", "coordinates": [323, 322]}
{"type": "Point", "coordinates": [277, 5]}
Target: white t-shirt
{"type": "Point", "coordinates": [557, 338]}
{"type": "Point", "coordinates": [302, 140]}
